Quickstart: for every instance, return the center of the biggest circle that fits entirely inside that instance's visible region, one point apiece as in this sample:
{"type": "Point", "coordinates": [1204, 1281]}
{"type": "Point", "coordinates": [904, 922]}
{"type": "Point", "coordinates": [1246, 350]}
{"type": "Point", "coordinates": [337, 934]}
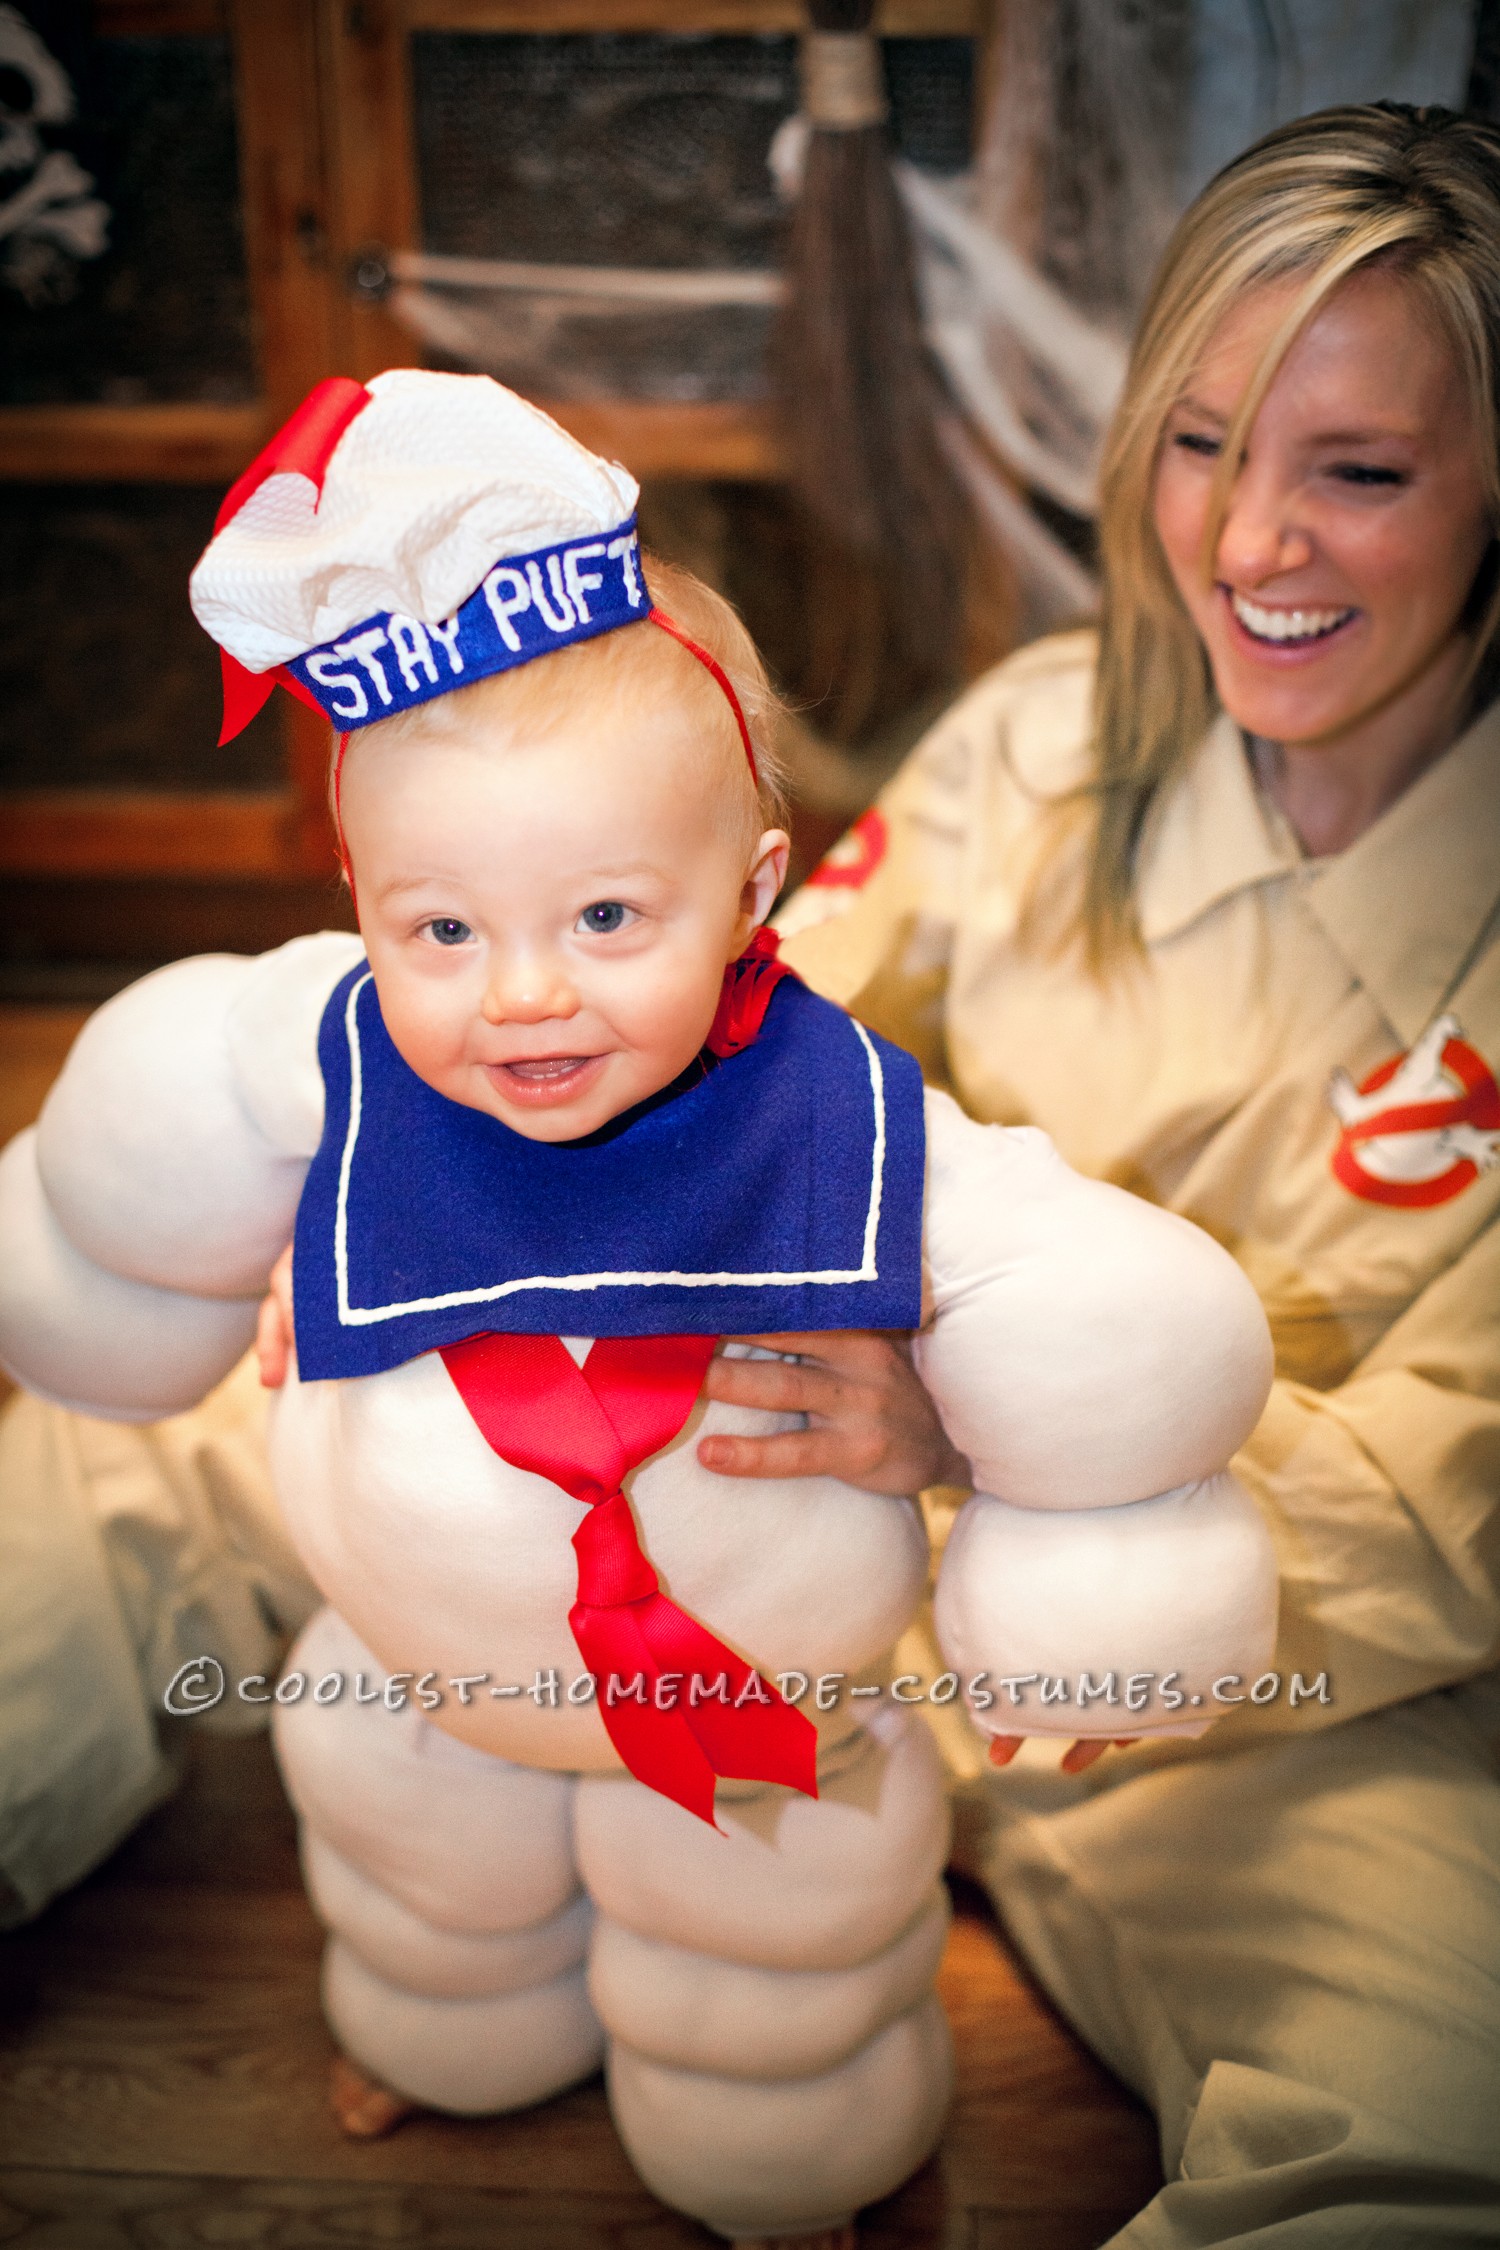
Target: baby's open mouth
{"type": "Point", "coordinates": [540, 1079]}
{"type": "Point", "coordinates": [545, 1068]}
{"type": "Point", "coordinates": [1287, 627]}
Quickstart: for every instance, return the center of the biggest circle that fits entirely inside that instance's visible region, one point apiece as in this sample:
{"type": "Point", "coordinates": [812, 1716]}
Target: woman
{"type": "Point", "coordinates": [1215, 899]}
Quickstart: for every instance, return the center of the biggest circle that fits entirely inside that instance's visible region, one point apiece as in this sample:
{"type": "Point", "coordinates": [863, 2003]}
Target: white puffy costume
{"type": "Point", "coordinates": [507, 1903]}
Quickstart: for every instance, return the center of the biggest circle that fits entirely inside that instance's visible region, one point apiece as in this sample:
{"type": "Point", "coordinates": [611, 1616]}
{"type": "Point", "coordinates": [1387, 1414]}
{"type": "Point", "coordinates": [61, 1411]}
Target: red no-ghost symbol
{"type": "Point", "coordinates": [1434, 1172]}
{"type": "Point", "coordinates": [855, 857]}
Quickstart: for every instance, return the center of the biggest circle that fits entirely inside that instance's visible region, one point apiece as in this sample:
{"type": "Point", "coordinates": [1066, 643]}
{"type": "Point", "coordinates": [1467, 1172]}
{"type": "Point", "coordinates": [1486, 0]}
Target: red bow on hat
{"type": "Point", "coordinates": [304, 446]}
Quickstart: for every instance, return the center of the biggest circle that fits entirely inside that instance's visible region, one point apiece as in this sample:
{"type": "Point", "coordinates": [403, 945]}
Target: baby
{"type": "Point", "coordinates": [553, 1124]}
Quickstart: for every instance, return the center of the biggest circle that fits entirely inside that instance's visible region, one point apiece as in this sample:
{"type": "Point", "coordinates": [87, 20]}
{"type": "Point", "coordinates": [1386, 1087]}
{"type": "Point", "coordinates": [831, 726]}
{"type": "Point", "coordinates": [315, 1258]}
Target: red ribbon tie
{"type": "Point", "coordinates": [679, 1706]}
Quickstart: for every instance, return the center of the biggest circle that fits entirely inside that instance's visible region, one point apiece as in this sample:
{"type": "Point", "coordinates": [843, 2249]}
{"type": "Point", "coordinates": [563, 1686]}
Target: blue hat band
{"type": "Point", "coordinates": [527, 606]}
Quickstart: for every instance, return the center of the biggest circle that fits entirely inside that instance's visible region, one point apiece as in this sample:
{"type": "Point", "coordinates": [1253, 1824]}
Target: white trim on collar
{"type": "Point", "coordinates": [363, 1316]}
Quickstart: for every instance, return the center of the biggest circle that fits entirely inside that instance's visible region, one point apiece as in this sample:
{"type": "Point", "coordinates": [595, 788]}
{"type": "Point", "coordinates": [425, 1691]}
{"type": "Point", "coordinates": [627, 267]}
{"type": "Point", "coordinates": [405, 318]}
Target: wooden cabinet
{"type": "Point", "coordinates": [327, 168]}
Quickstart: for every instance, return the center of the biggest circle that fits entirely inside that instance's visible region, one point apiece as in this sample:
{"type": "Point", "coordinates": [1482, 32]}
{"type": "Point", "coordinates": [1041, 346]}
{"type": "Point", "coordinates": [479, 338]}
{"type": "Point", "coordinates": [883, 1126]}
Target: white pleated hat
{"type": "Point", "coordinates": [409, 536]}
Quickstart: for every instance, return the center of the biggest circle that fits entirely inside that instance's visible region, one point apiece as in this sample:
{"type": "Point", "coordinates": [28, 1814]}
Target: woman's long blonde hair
{"type": "Point", "coordinates": [1416, 189]}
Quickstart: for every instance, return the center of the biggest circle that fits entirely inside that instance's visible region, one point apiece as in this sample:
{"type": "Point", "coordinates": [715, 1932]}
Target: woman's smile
{"type": "Point", "coordinates": [1278, 631]}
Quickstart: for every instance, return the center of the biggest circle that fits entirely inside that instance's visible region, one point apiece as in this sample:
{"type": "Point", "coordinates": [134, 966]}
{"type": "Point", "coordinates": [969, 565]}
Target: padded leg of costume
{"type": "Point", "coordinates": [777, 2057]}
{"type": "Point", "coordinates": [400, 1947]}
{"type": "Point", "coordinates": [502, 2051]}
{"type": "Point", "coordinates": [466, 1841]}
{"type": "Point", "coordinates": [742, 2021]}
{"type": "Point", "coordinates": [454, 1973]}
{"type": "Point", "coordinates": [1294, 1954]}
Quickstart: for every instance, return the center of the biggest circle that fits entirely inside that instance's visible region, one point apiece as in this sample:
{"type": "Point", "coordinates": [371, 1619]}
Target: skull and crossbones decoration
{"type": "Point", "coordinates": [49, 220]}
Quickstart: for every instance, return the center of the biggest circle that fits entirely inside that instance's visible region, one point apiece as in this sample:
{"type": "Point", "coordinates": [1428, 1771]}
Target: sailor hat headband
{"type": "Point", "coordinates": [403, 538]}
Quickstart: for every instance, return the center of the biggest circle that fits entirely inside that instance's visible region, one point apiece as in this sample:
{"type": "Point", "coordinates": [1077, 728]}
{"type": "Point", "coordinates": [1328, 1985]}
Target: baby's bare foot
{"type": "Point", "coordinates": [364, 2108]}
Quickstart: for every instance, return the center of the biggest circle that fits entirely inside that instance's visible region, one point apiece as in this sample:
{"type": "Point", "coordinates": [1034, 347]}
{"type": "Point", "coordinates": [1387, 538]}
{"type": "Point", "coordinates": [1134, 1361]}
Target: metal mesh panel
{"type": "Point", "coordinates": [639, 149]}
{"type": "Point", "coordinates": [164, 313]}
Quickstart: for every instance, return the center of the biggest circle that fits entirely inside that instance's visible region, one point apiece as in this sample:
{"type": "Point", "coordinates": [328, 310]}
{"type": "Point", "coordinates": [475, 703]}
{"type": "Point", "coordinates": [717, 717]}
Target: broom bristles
{"type": "Point", "coordinates": [860, 399]}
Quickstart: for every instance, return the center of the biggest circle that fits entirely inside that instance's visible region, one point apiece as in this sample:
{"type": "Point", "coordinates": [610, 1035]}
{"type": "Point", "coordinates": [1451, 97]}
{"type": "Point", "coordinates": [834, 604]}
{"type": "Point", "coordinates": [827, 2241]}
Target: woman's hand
{"type": "Point", "coordinates": [1077, 1758]}
{"type": "Point", "coordinates": [870, 1422]}
{"type": "Point", "coordinates": [274, 1332]}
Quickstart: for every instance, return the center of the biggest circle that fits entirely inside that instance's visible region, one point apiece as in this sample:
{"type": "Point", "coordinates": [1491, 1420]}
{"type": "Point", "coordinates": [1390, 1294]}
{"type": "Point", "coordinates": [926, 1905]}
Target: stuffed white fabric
{"type": "Point", "coordinates": [766, 1989]}
{"type": "Point", "coordinates": [82, 1336]}
{"type": "Point", "coordinates": [841, 2139]}
{"type": "Point", "coordinates": [400, 1948]}
{"type": "Point", "coordinates": [437, 479]}
{"type": "Point", "coordinates": [1164, 1594]}
{"type": "Point", "coordinates": [466, 1842]}
{"type": "Point", "coordinates": [473, 2056]}
{"type": "Point", "coordinates": [1088, 1349]}
{"type": "Point", "coordinates": [793, 1883]}
{"type": "Point", "coordinates": [735, 2019]}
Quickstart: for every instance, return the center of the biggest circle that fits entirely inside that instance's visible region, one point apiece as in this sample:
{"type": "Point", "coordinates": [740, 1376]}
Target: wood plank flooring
{"type": "Point", "coordinates": [163, 2060]}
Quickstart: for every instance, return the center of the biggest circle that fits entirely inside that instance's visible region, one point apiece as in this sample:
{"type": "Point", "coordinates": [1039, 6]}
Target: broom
{"type": "Point", "coordinates": [859, 399]}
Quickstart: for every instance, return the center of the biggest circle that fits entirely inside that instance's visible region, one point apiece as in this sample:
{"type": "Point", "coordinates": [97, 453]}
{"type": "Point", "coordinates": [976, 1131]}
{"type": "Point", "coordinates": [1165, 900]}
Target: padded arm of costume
{"type": "Point", "coordinates": [141, 1218]}
{"type": "Point", "coordinates": [1099, 1361]}
{"type": "Point", "coordinates": [1383, 1497]}
{"type": "Point", "coordinates": [1087, 1349]}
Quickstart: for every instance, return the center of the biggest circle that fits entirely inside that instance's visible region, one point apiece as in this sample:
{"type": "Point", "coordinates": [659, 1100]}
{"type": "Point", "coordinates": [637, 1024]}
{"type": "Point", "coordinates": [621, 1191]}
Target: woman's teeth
{"type": "Point", "coordinates": [1287, 624]}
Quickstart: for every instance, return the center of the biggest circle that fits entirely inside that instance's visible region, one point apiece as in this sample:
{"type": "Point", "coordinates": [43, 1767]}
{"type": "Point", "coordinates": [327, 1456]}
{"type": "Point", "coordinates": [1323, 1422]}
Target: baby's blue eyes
{"type": "Point", "coordinates": [600, 919]}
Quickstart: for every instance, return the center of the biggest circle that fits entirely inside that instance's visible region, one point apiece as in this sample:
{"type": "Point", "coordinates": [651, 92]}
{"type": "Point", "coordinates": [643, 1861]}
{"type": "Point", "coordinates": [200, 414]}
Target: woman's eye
{"type": "Point", "coordinates": [447, 930]}
{"type": "Point", "coordinates": [605, 915]}
{"type": "Point", "coordinates": [1197, 441]}
{"type": "Point", "coordinates": [1366, 473]}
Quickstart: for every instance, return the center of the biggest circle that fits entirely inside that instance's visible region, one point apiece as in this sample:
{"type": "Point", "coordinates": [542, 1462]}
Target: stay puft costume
{"type": "Point", "coordinates": [519, 1866]}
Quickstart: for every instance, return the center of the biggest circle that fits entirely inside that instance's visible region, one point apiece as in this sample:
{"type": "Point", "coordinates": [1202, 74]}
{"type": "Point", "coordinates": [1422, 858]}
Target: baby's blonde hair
{"type": "Point", "coordinates": [631, 668]}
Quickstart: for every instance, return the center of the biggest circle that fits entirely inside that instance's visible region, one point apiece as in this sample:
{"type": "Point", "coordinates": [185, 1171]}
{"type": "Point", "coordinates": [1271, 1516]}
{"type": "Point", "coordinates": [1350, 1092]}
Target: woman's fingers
{"type": "Point", "coordinates": [870, 1422]}
{"type": "Point", "coordinates": [791, 1453]}
{"type": "Point", "coordinates": [779, 1386]}
{"type": "Point", "coordinates": [1076, 1759]}
{"type": "Point", "coordinates": [270, 1345]}
{"type": "Point", "coordinates": [275, 1331]}
{"type": "Point", "coordinates": [1083, 1753]}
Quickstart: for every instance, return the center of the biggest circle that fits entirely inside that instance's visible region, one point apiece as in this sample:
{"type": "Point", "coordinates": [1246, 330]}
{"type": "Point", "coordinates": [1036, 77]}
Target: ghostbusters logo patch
{"type": "Point", "coordinates": [856, 855]}
{"type": "Point", "coordinates": [1422, 1127]}
{"type": "Point", "coordinates": [841, 874]}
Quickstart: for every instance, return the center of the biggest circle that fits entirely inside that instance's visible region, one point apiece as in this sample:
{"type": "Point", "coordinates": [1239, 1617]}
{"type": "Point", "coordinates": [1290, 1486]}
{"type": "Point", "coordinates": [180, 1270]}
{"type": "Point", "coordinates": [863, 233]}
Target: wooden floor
{"type": "Point", "coordinates": [163, 2060]}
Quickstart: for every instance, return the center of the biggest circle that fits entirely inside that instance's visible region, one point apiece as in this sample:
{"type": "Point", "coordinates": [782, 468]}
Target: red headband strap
{"type": "Point", "coordinates": [659, 617]}
{"type": "Point", "coordinates": [654, 616]}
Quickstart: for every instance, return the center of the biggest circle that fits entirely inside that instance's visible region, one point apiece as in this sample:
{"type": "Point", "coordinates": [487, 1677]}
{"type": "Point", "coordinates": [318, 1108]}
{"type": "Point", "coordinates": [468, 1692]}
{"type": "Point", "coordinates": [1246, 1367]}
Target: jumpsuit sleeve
{"type": "Point", "coordinates": [141, 1217]}
{"type": "Point", "coordinates": [1383, 1497]}
{"type": "Point", "coordinates": [1099, 1361]}
{"type": "Point", "coordinates": [872, 927]}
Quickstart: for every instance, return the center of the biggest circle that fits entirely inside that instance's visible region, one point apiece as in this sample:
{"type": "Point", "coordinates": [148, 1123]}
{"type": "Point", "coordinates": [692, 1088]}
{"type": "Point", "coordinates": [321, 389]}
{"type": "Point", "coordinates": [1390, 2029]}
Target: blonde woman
{"type": "Point", "coordinates": [1214, 897]}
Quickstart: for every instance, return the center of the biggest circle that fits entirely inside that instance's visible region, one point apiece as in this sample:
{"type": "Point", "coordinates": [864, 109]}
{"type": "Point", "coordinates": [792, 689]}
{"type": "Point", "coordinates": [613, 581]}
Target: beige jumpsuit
{"type": "Point", "coordinates": [1286, 1935]}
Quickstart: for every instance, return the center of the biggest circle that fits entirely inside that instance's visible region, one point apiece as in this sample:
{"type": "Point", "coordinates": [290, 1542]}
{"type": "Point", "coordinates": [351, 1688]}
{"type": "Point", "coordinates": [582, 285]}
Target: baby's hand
{"type": "Point", "coordinates": [274, 1331]}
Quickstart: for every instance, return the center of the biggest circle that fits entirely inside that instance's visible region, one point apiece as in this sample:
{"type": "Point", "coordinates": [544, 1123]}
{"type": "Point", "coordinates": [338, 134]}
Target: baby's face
{"type": "Point", "coordinates": [548, 923]}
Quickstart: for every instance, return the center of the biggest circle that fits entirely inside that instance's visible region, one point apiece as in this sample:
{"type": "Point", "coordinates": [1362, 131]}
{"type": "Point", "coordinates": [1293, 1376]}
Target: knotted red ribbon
{"type": "Point", "coordinates": [749, 982]}
{"type": "Point", "coordinates": [303, 444]}
{"type": "Point", "coordinates": [586, 1428]}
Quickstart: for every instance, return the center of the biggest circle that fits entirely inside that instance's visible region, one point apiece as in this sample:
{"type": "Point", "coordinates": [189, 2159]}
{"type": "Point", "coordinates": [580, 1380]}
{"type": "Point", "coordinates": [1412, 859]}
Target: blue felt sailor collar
{"type": "Point", "coordinates": [782, 1191]}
